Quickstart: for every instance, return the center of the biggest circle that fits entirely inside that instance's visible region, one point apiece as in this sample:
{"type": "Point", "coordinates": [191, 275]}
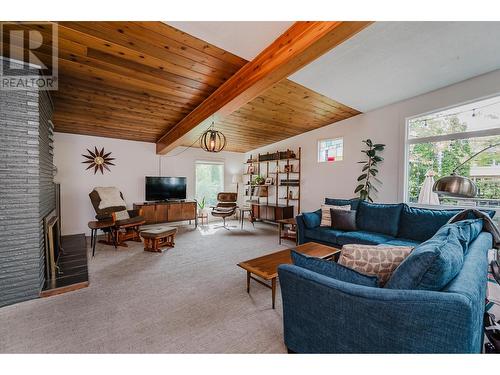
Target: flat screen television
{"type": "Point", "coordinates": [164, 188]}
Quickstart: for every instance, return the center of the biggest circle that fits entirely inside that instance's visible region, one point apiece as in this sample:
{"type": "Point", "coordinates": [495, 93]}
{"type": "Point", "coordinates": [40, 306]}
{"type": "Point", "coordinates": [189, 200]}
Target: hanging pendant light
{"type": "Point", "coordinates": [213, 140]}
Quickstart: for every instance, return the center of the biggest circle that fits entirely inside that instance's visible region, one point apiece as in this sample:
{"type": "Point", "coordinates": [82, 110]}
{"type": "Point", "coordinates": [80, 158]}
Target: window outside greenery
{"type": "Point", "coordinates": [209, 181]}
{"type": "Point", "coordinates": [441, 141]}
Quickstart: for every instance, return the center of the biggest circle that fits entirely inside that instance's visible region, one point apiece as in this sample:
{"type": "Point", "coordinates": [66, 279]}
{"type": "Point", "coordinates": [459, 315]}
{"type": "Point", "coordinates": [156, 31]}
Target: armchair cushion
{"type": "Point", "coordinates": [312, 219]}
{"type": "Point", "coordinates": [332, 269]}
{"type": "Point", "coordinates": [380, 218]}
{"type": "Point", "coordinates": [110, 197]}
{"type": "Point", "coordinates": [122, 215]}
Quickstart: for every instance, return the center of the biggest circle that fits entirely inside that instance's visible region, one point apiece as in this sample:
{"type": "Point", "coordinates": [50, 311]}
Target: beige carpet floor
{"type": "Point", "coordinates": [190, 299]}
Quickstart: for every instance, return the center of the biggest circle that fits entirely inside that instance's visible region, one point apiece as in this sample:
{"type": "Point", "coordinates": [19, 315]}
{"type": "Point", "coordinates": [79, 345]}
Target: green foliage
{"type": "Point", "coordinates": [443, 157]}
{"type": "Point", "coordinates": [209, 182]}
{"type": "Point", "coordinates": [369, 170]}
{"type": "Point", "coordinates": [258, 180]}
{"type": "Point", "coordinates": [202, 203]}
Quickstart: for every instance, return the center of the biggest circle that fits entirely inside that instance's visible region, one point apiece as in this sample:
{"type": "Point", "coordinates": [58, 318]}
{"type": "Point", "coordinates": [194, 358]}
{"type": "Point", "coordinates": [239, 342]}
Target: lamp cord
{"type": "Point", "coordinates": [192, 144]}
{"type": "Point", "coordinates": [476, 154]}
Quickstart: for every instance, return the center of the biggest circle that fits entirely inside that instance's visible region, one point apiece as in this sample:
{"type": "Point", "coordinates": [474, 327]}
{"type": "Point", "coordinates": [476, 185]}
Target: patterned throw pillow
{"type": "Point", "coordinates": [378, 261]}
{"type": "Point", "coordinates": [122, 215]}
{"type": "Point", "coordinates": [326, 219]}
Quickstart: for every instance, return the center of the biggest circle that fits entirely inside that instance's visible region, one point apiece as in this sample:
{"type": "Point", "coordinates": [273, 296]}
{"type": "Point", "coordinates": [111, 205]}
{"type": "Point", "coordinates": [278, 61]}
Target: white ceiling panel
{"type": "Point", "coordinates": [244, 39]}
{"type": "Point", "coordinates": [392, 61]}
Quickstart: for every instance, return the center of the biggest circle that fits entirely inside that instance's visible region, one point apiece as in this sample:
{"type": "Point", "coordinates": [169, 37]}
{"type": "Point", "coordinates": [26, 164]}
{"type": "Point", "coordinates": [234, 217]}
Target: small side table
{"type": "Point", "coordinates": [285, 234]}
{"type": "Point", "coordinates": [95, 226]}
{"type": "Point", "coordinates": [203, 217]}
{"type": "Point", "coordinates": [242, 215]}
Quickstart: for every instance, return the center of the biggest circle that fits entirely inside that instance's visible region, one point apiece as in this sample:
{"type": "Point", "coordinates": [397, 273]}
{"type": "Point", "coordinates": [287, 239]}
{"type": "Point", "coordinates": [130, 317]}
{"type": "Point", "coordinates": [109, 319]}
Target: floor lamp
{"type": "Point", "coordinates": [462, 187]}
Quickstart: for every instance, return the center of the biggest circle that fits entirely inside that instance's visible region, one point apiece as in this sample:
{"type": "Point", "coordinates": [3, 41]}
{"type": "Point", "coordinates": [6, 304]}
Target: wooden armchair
{"type": "Point", "coordinates": [226, 206]}
{"type": "Point", "coordinates": [126, 222]}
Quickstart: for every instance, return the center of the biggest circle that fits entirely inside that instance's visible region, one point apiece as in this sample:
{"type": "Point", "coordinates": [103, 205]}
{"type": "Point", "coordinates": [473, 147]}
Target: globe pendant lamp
{"type": "Point", "coordinates": [213, 140]}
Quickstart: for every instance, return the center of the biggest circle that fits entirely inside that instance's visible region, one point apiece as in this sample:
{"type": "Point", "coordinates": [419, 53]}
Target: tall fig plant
{"type": "Point", "coordinates": [369, 172]}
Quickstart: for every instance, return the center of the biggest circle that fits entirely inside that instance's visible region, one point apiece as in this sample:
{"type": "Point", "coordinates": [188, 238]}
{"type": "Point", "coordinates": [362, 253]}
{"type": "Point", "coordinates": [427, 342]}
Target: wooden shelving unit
{"type": "Point", "coordinates": [284, 193]}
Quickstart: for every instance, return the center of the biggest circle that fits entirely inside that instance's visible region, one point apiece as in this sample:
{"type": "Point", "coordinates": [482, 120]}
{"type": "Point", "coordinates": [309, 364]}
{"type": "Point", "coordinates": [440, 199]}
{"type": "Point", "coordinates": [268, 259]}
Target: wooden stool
{"type": "Point", "coordinates": [155, 238]}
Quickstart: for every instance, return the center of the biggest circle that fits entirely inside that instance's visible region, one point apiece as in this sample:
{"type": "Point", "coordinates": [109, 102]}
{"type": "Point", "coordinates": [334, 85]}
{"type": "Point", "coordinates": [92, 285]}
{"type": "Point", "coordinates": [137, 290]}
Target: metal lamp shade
{"type": "Point", "coordinates": [455, 186]}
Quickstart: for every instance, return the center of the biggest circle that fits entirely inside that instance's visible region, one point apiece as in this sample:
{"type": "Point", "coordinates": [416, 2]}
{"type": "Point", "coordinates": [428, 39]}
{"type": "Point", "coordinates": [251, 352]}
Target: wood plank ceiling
{"type": "Point", "coordinates": [136, 80]}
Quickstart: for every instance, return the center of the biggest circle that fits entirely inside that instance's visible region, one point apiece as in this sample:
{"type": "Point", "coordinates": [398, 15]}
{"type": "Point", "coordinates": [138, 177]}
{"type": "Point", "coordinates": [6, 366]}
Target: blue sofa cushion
{"type": "Point", "coordinates": [363, 238]}
{"type": "Point", "coordinates": [420, 224]}
{"type": "Point", "coordinates": [468, 230]}
{"type": "Point", "coordinates": [323, 234]}
{"type": "Point", "coordinates": [402, 242]}
{"type": "Point", "coordinates": [343, 202]}
{"type": "Point", "coordinates": [380, 218]}
{"type": "Point", "coordinates": [312, 219]}
{"type": "Point", "coordinates": [432, 264]}
{"type": "Point", "coordinates": [332, 269]}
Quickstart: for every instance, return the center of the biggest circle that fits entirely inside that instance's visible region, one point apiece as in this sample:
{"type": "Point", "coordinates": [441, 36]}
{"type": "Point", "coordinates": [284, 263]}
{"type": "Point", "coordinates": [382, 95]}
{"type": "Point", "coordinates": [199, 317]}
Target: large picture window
{"type": "Point", "coordinates": [438, 142]}
{"type": "Point", "coordinates": [209, 181]}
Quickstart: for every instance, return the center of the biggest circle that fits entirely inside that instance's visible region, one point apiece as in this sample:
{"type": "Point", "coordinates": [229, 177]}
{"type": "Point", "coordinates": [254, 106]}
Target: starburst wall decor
{"type": "Point", "coordinates": [98, 160]}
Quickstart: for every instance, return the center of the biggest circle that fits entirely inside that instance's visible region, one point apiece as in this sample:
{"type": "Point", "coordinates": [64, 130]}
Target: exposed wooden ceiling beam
{"type": "Point", "coordinates": [302, 43]}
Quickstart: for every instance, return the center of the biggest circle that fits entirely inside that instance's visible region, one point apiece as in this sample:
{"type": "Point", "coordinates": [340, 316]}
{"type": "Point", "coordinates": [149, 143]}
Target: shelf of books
{"type": "Point", "coordinates": [273, 179]}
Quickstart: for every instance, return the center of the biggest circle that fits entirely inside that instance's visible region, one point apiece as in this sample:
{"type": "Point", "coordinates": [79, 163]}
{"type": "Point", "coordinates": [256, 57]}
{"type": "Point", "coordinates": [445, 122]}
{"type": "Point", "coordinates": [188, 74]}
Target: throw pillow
{"type": "Point", "coordinates": [380, 261]}
{"type": "Point", "coordinates": [343, 219]}
{"type": "Point", "coordinates": [110, 197]}
{"type": "Point", "coordinates": [432, 264]}
{"type": "Point", "coordinates": [312, 219]}
{"type": "Point", "coordinates": [332, 269]}
{"type": "Point", "coordinates": [122, 215]}
{"type": "Point", "coordinates": [326, 220]}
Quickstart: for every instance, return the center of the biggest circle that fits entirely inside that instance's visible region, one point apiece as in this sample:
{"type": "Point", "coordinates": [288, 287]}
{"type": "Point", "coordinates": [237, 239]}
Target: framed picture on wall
{"type": "Point", "coordinates": [268, 181]}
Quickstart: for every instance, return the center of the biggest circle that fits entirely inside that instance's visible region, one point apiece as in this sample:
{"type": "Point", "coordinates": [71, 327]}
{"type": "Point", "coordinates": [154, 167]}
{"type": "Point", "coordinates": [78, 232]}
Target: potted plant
{"type": "Point", "coordinates": [369, 171]}
{"type": "Point", "coordinates": [202, 206]}
{"type": "Point", "coordinates": [259, 180]}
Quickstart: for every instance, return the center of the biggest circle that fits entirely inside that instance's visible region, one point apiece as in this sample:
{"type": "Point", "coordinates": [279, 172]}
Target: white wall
{"type": "Point", "coordinates": [384, 125]}
{"type": "Point", "coordinates": [134, 161]}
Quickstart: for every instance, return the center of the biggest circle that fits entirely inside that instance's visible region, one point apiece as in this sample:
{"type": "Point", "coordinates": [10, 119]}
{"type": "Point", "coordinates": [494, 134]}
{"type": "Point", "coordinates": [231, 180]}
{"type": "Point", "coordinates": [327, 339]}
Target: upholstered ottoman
{"type": "Point", "coordinates": [155, 238]}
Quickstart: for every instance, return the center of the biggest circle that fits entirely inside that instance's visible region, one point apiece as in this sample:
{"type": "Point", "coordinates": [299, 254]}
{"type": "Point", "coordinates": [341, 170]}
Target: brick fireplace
{"type": "Point", "coordinates": [27, 191]}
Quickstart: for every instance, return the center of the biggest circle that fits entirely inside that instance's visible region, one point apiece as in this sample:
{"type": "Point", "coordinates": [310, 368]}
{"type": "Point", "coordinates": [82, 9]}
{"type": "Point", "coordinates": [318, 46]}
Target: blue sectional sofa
{"type": "Point", "coordinates": [389, 224]}
{"type": "Point", "coordinates": [322, 314]}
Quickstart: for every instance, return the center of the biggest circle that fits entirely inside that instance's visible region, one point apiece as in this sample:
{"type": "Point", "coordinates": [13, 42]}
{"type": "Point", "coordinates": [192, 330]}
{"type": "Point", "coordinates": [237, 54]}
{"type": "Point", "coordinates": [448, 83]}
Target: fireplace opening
{"type": "Point", "coordinates": [53, 248]}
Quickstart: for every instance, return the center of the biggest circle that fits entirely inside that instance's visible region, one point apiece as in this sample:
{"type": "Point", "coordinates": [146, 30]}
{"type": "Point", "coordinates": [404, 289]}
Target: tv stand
{"type": "Point", "coordinates": [168, 211]}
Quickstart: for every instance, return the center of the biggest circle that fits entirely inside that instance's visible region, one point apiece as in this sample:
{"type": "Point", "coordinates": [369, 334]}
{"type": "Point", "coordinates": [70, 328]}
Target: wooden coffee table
{"type": "Point", "coordinates": [266, 267]}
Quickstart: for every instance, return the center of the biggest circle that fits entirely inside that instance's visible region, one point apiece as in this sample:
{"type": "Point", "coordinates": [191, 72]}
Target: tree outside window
{"type": "Point", "coordinates": [441, 141]}
{"type": "Point", "coordinates": [209, 181]}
